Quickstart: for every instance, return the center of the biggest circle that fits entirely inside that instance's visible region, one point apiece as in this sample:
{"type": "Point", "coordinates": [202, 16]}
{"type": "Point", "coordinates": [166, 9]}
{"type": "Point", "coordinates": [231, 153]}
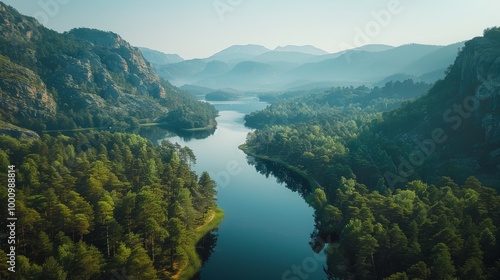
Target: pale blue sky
{"type": "Point", "coordinates": [198, 29]}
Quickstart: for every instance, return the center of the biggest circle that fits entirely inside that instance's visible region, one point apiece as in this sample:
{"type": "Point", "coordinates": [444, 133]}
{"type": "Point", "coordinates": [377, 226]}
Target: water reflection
{"type": "Point", "coordinates": [319, 240]}
{"type": "Point", "coordinates": [291, 180]}
{"type": "Point", "coordinates": [157, 133]}
{"type": "Point", "coordinates": [205, 248]}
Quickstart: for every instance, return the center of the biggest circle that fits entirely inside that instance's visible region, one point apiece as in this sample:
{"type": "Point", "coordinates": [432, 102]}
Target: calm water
{"type": "Point", "coordinates": [266, 229]}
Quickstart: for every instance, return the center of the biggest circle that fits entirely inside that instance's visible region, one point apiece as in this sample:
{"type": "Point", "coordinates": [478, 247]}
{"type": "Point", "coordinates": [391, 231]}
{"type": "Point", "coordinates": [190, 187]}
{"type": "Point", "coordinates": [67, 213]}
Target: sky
{"type": "Point", "coordinates": [200, 28]}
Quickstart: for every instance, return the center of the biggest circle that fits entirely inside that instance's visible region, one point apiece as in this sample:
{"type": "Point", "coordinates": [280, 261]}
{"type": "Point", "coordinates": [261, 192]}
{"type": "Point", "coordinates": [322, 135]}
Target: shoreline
{"type": "Point", "coordinates": [193, 264]}
{"type": "Point", "coordinates": [310, 180]}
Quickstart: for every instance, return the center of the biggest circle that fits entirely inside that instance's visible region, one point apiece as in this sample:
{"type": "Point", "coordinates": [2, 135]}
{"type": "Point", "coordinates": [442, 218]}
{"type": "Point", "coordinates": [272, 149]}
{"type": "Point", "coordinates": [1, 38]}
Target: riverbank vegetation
{"type": "Point", "coordinates": [406, 193]}
{"type": "Point", "coordinates": [101, 204]}
{"type": "Point", "coordinates": [421, 228]}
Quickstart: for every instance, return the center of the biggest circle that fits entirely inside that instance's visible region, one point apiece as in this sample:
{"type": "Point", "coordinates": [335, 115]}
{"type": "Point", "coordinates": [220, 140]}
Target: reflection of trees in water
{"type": "Point", "coordinates": [190, 135]}
{"type": "Point", "coordinates": [156, 133]}
{"type": "Point", "coordinates": [153, 133]}
{"type": "Point", "coordinates": [296, 183]}
{"type": "Point", "coordinates": [205, 247]}
{"type": "Point", "coordinates": [291, 180]}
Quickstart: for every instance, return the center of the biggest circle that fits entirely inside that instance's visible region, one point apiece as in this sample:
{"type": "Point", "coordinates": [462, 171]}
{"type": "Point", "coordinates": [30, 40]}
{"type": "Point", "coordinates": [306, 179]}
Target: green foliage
{"type": "Point", "coordinates": [185, 111]}
{"type": "Point", "coordinates": [83, 216]}
{"type": "Point", "coordinates": [442, 264]}
{"type": "Point", "coordinates": [354, 102]}
{"type": "Point", "coordinates": [492, 33]}
{"type": "Point", "coordinates": [382, 232]}
{"type": "Point", "coordinates": [381, 186]}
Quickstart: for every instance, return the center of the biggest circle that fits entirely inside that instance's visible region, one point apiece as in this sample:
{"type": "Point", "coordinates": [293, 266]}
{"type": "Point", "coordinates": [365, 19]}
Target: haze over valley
{"type": "Point", "coordinates": [254, 67]}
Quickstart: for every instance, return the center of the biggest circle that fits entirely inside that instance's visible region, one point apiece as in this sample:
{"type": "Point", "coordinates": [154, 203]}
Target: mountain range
{"type": "Point", "coordinates": [255, 67]}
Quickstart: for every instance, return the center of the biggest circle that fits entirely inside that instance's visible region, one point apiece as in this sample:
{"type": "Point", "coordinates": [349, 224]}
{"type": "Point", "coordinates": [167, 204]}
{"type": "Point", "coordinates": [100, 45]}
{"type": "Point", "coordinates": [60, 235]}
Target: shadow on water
{"type": "Point", "coordinates": [291, 180]}
{"type": "Point", "coordinates": [205, 247]}
{"type": "Point", "coordinates": [153, 133]}
{"type": "Point", "coordinates": [158, 133]}
{"type": "Point", "coordinates": [295, 183]}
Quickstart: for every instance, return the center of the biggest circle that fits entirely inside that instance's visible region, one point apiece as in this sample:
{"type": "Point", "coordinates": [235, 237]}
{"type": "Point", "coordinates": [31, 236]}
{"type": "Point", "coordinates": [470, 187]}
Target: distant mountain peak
{"type": "Point", "coordinates": [238, 53]}
{"type": "Point", "coordinates": [249, 49]}
{"type": "Point", "coordinates": [307, 49]}
{"type": "Point", "coordinates": [374, 48]}
{"type": "Point", "coordinates": [160, 58]}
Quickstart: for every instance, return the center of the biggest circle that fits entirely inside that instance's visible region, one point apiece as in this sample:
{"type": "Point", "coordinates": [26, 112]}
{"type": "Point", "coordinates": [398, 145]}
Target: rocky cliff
{"type": "Point", "coordinates": [473, 91]}
{"type": "Point", "coordinates": [23, 93]}
{"type": "Point", "coordinates": [479, 68]}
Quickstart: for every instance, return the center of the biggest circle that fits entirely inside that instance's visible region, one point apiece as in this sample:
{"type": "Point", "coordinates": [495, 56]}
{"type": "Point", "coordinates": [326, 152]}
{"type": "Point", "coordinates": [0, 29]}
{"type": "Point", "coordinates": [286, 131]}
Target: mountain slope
{"type": "Point", "coordinates": [362, 65]}
{"type": "Point", "coordinates": [434, 60]}
{"type": "Point", "coordinates": [285, 56]}
{"type": "Point", "coordinates": [80, 78]}
{"type": "Point", "coordinates": [464, 109]}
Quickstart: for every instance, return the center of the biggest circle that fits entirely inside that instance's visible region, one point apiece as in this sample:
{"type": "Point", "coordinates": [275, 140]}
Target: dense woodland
{"type": "Point", "coordinates": [416, 231]}
{"type": "Point", "coordinates": [383, 216]}
{"type": "Point", "coordinates": [328, 135]}
{"type": "Point", "coordinates": [99, 204]}
{"type": "Point", "coordinates": [186, 112]}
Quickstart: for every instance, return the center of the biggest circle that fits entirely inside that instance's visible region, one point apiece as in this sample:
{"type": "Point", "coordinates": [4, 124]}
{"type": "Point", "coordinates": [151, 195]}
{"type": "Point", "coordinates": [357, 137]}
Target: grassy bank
{"type": "Point", "coordinates": [193, 263]}
{"type": "Point", "coordinates": [292, 168]}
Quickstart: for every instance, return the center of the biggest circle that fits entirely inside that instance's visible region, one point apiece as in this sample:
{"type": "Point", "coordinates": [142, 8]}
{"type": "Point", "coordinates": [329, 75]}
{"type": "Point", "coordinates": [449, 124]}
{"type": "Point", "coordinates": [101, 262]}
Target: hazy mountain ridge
{"type": "Point", "coordinates": [238, 53]}
{"type": "Point", "coordinates": [295, 66]}
{"type": "Point", "coordinates": [308, 49]}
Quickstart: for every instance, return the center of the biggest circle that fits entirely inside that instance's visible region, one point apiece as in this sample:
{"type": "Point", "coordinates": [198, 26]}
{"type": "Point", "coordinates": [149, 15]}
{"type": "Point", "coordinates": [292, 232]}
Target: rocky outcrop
{"type": "Point", "coordinates": [118, 56]}
{"type": "Point", "coordinates": [459, 117]}
{"type": "Point", "coordinates": [23, 93]}
{"type": "Point", "coordinates": [17, 132]}
{"type": "Point", "coordinates": [479, 66]}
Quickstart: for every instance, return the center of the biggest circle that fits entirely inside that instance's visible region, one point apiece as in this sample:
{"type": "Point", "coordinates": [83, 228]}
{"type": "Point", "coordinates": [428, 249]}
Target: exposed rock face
{"type": "Point", "coordinates": [118, 56]}
{"type": "Point", "coordinates": [17, 132]}
{"type": "Point", "coordinates": [89, 71]}
{"type": "Point", "coordinates": [479, 65]}
{"type": "Point", "coordinates": [466, 105]}
{"type": "Point", "coordinates": [23, 93]}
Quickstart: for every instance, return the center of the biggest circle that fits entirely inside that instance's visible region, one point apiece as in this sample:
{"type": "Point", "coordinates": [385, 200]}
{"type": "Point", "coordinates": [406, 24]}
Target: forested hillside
{"type": "Point", "coordinates": [97, 205]}
{"type": "Point", "coordinates": [395, 189]}
{"type": "Point", "coordinates": [83, 78]}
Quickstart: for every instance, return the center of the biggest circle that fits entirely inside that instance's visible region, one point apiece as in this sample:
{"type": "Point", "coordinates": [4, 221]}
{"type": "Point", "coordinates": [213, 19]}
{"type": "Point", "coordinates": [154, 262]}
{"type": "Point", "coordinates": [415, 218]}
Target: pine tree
{"type": "Point", "coordinates": [442, 264]}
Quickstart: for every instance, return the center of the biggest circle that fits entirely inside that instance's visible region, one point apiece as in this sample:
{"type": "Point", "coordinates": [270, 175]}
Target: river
{"type": "Point", "coordinates": [266, 230]}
